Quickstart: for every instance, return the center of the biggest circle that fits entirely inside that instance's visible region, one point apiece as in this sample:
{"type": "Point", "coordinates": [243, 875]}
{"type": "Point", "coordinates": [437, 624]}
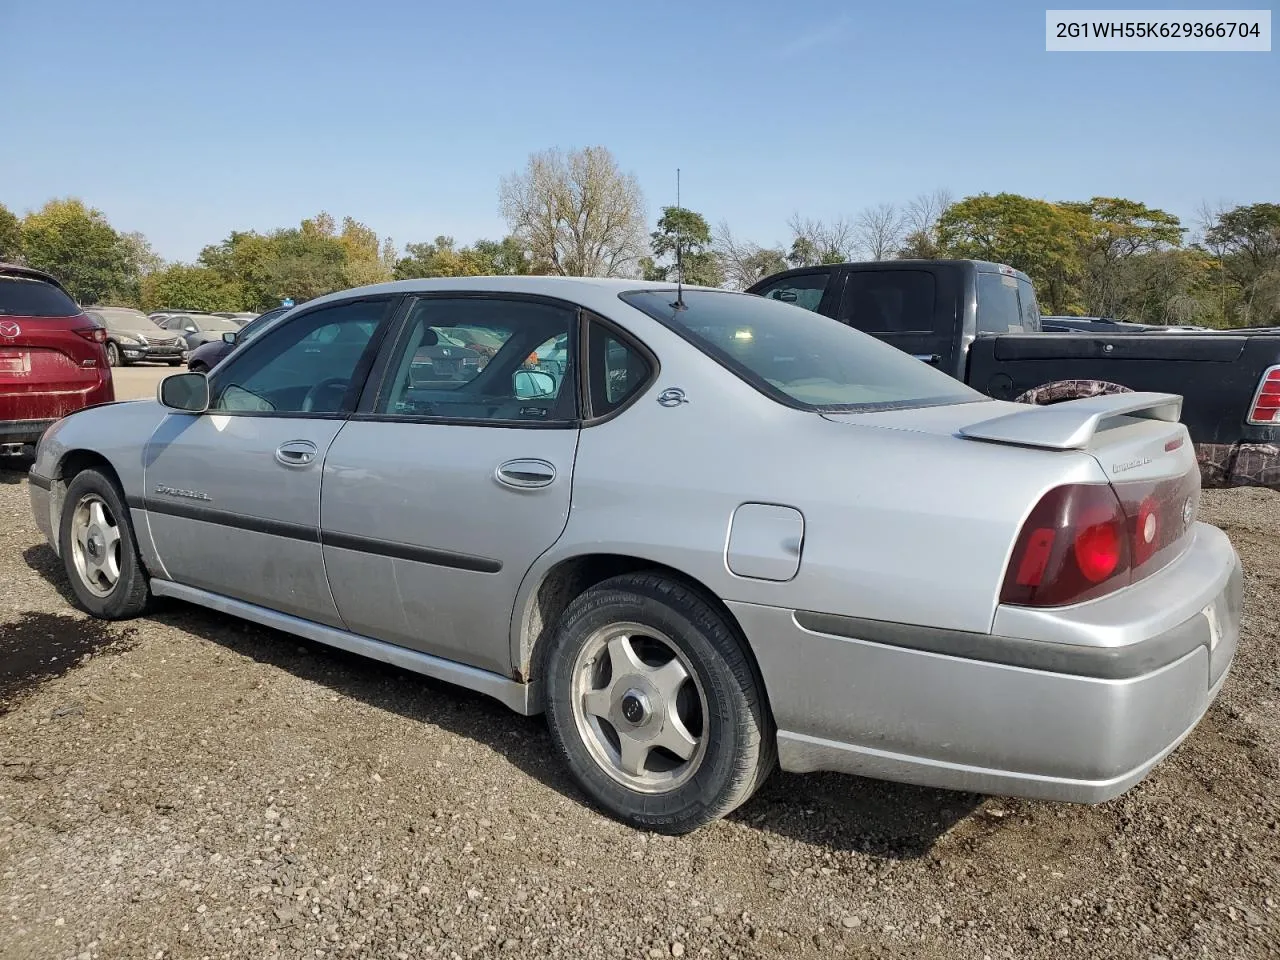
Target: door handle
{"type": "Point", "coordinates": [296, 453]}
{"type": "Point", "coordinates": [526, 473]}
{"type": "Point", "coordinates": [928, 357]}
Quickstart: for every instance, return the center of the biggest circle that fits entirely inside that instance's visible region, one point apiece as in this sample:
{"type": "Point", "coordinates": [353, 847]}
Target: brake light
{"type": "Point", "coordinates": [96, 334]}
{"type": "Point", "coordinates": [1266, 402]}
{"type": "Point", "coordinates": [1085, 540]}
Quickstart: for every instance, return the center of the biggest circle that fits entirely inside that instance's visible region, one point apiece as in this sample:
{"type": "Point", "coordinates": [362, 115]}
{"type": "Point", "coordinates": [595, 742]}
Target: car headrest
{"type": "Point", "coordinates": [429, 338]}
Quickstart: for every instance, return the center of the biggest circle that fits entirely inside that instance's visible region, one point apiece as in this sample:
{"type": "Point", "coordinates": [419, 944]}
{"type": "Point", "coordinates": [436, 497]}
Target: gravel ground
{"type": "Point", "coordinates": [190, 786]}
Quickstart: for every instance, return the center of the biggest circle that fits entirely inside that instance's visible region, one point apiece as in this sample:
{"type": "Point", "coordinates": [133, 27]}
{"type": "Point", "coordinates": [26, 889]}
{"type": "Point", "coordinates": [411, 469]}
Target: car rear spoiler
{"type": "Point", "coordinates": [1072, 424]}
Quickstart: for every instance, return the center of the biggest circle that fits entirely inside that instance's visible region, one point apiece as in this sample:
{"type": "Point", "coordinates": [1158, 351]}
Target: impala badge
{"type": "Point", "coordinates": [164, 491]}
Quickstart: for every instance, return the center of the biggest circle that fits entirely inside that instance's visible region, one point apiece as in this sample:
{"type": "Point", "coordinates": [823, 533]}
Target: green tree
{"type": "Point", "coordinates": [1044, 240]}
{"type": "Point", "coordinates": [1247, 242]}
{"type": "Point", "coordinates": [443, 258]}
{"type": "Point", "coordinates": [188, 287]}
{"type": "Point", "coordinates": [10, 236]}
{"type": "Point", "coordinates": [1119, 230]}
{"type": "Point", "coordinates": [78, 246]}
{"type": "Point", "coordinates": [685, 230]}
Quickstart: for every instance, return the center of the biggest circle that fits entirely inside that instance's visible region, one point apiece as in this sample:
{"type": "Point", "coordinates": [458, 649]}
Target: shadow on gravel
{"type": "Point", "coordinates": [14, 469]}
{"type": "Point", "coordinates": [849, 813]}
{"type": "Point", "coordinates": [40, 646]}
{"type": "Point", "coordinates": [45, 562]}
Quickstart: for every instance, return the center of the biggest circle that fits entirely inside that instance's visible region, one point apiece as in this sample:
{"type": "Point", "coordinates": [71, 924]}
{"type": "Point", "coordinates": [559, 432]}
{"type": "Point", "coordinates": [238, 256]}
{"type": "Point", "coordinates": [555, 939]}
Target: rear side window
{"type": "Point", "coordinates": [804, 290]}
{"type": "Point", "coordinates": [889, 301]}
{"type": "Point", "coordinates": [20, 297]}
{"type": "Point", "coordinates": [1006, 304]}
{"type": "Point", "coordinates": [615, 370]}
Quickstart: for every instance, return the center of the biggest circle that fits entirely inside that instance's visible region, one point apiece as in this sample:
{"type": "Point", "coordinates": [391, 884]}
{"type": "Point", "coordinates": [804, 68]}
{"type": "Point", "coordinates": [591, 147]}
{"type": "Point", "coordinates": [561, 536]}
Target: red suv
{"type": "Point", "coordinates": [52, 361]}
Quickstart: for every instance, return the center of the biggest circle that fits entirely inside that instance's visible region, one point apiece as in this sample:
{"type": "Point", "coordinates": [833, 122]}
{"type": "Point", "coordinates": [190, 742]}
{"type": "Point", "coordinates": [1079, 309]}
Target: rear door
{"type": "Point", "coordinates": [50, 363]}
{"type": "Point", "coordinates": [454, 477]}
{"type": "Point", "coordinates": [914, 309]}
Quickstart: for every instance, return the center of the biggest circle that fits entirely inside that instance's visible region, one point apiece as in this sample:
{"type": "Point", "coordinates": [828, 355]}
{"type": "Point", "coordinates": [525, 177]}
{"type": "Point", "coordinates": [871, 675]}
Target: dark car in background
{"type": "Point", "coordinates": [52, 360]}
{"type": "Point", "coordinates": [133, 337]}
{"type": "Point", "coordinates": [198, 328]}
{"type": "Point", "coordinates": [208, 355]}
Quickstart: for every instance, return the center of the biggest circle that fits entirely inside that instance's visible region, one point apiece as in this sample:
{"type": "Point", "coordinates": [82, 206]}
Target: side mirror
{"type": "Point", "coordinates": [229, 337]}
{"type": "Point", "coordinates": [533, 385]}
{"type": "Point", "coordinates": [189, 330]}
{"type": "Point", "coordinates": [788, 296]}
{"type": "Point", "coordinates": [184, 392]}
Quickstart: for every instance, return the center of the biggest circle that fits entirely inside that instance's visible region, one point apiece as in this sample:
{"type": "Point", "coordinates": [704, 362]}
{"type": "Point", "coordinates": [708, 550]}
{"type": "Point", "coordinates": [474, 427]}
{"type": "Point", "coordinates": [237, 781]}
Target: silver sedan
{"type": "Point", "coordinates": [706, 533]}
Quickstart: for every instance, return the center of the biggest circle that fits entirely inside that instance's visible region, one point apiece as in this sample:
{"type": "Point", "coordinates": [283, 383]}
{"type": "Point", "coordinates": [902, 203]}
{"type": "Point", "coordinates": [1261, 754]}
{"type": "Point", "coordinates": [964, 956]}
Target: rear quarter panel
{"type": "Point", "coordinates": [898, 525]}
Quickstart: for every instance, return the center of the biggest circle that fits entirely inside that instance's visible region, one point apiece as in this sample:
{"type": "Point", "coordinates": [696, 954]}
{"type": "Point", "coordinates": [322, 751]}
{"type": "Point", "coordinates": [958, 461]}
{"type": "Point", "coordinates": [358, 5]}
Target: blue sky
{"type": "Point", "coordinates": [186, 119]}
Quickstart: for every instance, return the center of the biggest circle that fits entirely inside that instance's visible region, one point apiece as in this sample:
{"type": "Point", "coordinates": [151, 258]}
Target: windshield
{"type": "Point", "coordinates": [1006, 304]}
{"type": "Point", "coordinates": [214, 323]}
{"type": "Point", "coordinates": [23, 297]}
{"type": "Point", "coordinates": [798, 357]}
{"type": "Point", "coordinates": [259, 324]}
{"type": "Point", "coordinates": [121, 318]}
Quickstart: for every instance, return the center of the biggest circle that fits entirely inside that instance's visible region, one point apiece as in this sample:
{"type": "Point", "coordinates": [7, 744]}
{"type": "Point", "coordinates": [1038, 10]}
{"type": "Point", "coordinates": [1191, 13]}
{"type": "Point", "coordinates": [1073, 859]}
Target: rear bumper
{"type": "Point", "coordinates": [1076, 704]}
{"type": "Point", "coordinates": [24, 431]}
{"type": "Point", "coordinates": [1239, 464]}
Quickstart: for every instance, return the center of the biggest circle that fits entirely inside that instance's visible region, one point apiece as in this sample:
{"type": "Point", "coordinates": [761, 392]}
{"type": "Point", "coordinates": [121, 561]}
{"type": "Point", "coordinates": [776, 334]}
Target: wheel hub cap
{"type": "Point", "coordinates": [635, 708]}
{"type": "Point", "coordinates": [639, 708]}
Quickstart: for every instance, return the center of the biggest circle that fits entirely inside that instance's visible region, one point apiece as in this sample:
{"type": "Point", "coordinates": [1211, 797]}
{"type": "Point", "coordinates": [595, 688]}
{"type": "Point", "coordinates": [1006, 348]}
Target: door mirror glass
{"type": "Point", "coordinates": [188, 329]}
{"type": "Point", "coordinates": [533, 385]}
{"type": "Point", "coordinates": [187, 392]}
{"type": "Point", "coordinates": [229, 337]}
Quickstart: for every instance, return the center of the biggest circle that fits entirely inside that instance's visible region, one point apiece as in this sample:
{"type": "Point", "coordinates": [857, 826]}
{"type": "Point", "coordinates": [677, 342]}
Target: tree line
{"type": "Point", "coordinates": [576, 213]}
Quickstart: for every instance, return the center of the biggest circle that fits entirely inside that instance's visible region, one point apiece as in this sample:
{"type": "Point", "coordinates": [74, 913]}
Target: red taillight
{"type": "Point", "coordinates": [1266, 402]}
{"type": "Point", "coordinates": [1085, 540]}
{"type": "Point", "coordinates": [1072, 547]}
{"type": "Point", "coordinates": [96, 334]}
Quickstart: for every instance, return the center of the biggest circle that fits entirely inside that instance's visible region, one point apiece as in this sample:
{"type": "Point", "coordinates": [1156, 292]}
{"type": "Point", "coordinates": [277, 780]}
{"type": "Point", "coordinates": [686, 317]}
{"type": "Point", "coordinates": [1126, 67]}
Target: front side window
{"type": "Point", "coordinates": [800, 358]}
{"type": "Point", "coordinates": [310, 364]}
{"type": "Point", "coordinates": [484, 359]}
{"type": "Point", "coordinates": [804, 290]}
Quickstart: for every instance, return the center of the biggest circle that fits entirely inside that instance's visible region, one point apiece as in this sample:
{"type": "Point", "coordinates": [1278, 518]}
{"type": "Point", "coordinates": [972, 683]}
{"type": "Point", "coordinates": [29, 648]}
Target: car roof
{"type": "Point", "coordinates": [599, 292]}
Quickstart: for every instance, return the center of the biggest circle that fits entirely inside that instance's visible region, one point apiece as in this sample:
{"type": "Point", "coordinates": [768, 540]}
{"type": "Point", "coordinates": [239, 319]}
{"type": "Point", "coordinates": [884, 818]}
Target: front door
{"type": "Point", "coordinates": [233, 495]}
{"type": "Point", "coordinates": [440, 495]}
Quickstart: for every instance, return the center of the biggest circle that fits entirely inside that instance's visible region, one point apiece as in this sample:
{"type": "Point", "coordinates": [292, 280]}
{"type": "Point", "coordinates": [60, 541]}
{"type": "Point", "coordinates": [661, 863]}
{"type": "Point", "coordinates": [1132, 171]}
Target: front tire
{"type": "Point", "coordinates": [114, 358]}
{"type": "Point", "coordinates": [197, 367]}
{"type": "Point", "coordinates": [174, 363]}
{"type": "Point", "coordinates": [655, 706]}
{"type": "Point", "coordinates": [99, 551]}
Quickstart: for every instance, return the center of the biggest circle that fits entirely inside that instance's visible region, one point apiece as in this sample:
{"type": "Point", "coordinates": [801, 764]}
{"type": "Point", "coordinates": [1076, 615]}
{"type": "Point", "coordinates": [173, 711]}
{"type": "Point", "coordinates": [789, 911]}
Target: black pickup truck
{"type": "Point", "coordinates": [980, 323]}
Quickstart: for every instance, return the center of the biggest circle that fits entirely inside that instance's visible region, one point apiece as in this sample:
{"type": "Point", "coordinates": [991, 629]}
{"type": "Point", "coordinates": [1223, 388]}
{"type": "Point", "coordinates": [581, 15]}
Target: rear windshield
{"type": "Point", "coordinates": [800, 358]}
{"type": "Point", "coordinates": [1006, 304]}
{"type": "Point", "coordinates": [21, 297]}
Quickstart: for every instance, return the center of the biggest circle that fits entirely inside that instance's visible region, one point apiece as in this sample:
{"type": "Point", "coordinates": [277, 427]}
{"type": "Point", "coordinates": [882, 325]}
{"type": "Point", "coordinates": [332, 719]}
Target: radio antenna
{"type": "Point", "coordinates": [679, 304]}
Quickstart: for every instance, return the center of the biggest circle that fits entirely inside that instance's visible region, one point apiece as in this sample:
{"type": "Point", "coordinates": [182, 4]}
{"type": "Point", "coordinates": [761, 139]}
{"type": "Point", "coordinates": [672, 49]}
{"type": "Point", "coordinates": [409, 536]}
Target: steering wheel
{"type": "Point", "coordinates": [308, 402]}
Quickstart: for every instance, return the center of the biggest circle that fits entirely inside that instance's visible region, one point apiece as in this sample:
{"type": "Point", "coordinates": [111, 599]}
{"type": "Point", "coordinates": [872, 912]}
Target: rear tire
{"type": "Point", "coordinates": [99, 551]}
{"type": "Point", "coordinates": [655, 706]}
